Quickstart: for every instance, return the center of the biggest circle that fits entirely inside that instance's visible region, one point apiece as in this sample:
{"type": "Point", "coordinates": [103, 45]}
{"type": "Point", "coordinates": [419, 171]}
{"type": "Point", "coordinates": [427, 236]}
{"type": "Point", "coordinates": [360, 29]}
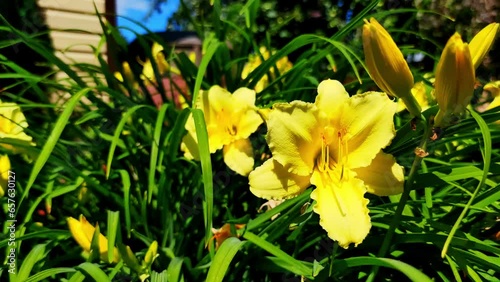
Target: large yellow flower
{"type": "Point", "coordinates": [283, 65]}
{"type": "Point", "coordinates": [230, 120]}
{"type": "Point", "coordinates": [334, 144]}
{"type": "Point", "coordinates": [83, 232]}
{"type": "Point", "coordinates": [12, 125]}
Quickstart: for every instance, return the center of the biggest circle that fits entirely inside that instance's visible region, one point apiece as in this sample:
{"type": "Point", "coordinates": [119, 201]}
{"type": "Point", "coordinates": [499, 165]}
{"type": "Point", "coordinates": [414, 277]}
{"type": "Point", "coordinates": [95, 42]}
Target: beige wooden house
{"type": "Point", "coordinates": [75, 26]}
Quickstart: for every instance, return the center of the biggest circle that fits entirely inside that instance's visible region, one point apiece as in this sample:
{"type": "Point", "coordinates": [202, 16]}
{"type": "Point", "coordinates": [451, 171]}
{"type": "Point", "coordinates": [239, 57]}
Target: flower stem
{"type": "Point", "coordinates": [404, 197]}
{"type": "Point", "coordinates": [412, 105]}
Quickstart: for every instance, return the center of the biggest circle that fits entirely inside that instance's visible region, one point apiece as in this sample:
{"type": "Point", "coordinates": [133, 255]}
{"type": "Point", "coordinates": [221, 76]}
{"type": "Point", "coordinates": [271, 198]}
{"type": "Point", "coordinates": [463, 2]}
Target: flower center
{"type": "Point", "coordinates": [332, 168]}
{"type": "Point", "coordinates": [326, 161]}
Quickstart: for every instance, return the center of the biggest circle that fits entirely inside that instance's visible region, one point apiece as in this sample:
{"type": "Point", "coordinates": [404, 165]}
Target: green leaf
{"type": "Point", "coordinates": [223, 258]}
{"type": "Point", "coordinates": [116, 135]}
{"type": "Point", "coordinates": [174, 270]}
{"type": "Point", "coordinates": [293, 265]}
{"type": "Point", "coordinates": [411, 272]}
{"type": "Point", "coordinates": [112, 231]}
{"type": "Point", "coordinates": [206, 168]}
{"type": "Point", "coordinates": [53, 138]}
{"type": "Point", "coordinates": [36, 254]}
{"type": "Point", "coordinates": [486, 168]}
{"type": "Point", "coordinates": [153, 159]}
{"type": "Point", "coordinates": [49, 273]}
{"type": "Point", "coordinates": [93, 271]}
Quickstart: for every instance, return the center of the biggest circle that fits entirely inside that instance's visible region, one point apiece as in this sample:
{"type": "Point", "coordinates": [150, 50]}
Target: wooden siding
{"type": "Point", "coordinates": [74, 27]}
{"type": "Point", "coordinates": [75, 6]}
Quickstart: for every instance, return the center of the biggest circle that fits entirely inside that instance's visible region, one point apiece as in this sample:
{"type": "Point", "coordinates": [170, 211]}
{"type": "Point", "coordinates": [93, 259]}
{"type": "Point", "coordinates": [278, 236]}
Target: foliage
{"type": "Point", "coordinates": [112, 154]}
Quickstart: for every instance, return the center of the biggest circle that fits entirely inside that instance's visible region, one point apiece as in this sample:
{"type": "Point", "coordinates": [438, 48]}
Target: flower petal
{"type": "Point", "coordinates": [293, 136]}
{"type": "Point", "coordinates": [482, 42]}
{"type": "Point", "coordinates": [244, 97]}
{"type": "Point", "coordinates": [248, 123]}
{"type": "Point", "coordinates": [79, 232]}
{"type": "Point", "coordinates": [4, 173]}
{"type": "Point", "coordinates": [368, 120]}
{"type": "Point", "coordinates": [189, 143]}
{"type": "Point", "coordinates": [272, 181]}
{"type": "Point", "coordinates": [331, 95]}
{"type": "Point", "coordinates": [238, 156]}
{"type": "Point", "coordinates": [383, 177]}
{"type": "Point", "coordinates": [341, 207]}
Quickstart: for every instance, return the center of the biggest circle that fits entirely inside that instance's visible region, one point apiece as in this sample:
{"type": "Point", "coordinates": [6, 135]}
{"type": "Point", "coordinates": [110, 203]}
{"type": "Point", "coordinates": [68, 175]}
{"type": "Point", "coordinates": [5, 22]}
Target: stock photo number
{"type": "Point", "coordinates": [11, 214]}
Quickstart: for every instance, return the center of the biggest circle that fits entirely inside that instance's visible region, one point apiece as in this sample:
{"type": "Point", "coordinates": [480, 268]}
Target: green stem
{"type": "Point", "coordinates": [404, 197]}
{"type": "Point", "coordinates": [412, 105]}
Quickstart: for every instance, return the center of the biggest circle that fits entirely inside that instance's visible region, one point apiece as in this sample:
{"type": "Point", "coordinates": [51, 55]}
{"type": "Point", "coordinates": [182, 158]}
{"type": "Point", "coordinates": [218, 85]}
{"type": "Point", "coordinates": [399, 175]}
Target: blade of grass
{"type": "Point", "coordinates": [126, 198]}
{"type": "Point", "coordinates": [206, 169]}
{"type": "Point", "coordinates": [411, 272]}
{"type": "Point", "coordinates": [36, 254]}
{"type": "Point", "coordinates": [486, 168]}
{"type": "Point", "coordinates": [112, 231]}
{"type": "Point", "coordinates": [93, 271]}
{"type": "Point", "coordinates": [294, 265]}
{"type": "Point", "coordinates": [223, 258]}
{"type": "Point", "coordinates": [49, 273]}
{"type": "Point", "coordinates": [52, 140]}
{"type": "Point", "coordinates": [116, 135]}
{"type": "Point", "coordinates": [153, 159]}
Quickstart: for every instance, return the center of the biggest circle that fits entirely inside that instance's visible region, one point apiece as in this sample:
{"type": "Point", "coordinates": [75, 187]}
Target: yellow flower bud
{"type": "Point", "coordinates": [455, 80]}
{"type": "Point", "coordinates": [387, 66]}
{"type": "Point", "coordinates": [83, 232]}
{"type": "Point", "coordinates": [482, 42]}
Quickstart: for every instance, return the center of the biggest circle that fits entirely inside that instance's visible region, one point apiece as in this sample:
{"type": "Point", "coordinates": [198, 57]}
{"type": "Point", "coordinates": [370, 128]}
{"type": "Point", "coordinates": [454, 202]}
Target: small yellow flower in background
{"type": "Point", "coordinates": [82, 231]}
{"type": "Point", "coordinates": [148, 74]}
{"type": "Point", "coordinates": [481, 44]}
{"type": "Point", "coordinates": [335, 144]}
{"type": "Point", "coordinates": [221, 234]}
{"type": "Point", "coordinates": [386, 64]}
{"type": "Point", "coordinates": [283, 65]}
{"type": "Point", "coordinates": [4, 173]}
{"type": "Point", "coordinates": [129, 76]}
{"type": "Point", "coordinates": [455, 79]}
{"type": "Point", "coordinates": [494, 89]}
{"type": "Point", "coordinates": [12, 125]}
{"type": "Point", "coordinates": [230, 119]}
{"type": "Point", "coordinates": [422, 96]}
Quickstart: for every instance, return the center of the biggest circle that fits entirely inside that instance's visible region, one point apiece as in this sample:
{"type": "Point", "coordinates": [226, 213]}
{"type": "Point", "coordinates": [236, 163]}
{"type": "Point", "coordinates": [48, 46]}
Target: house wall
{"type": "Point", "coordinates": [74, 27]}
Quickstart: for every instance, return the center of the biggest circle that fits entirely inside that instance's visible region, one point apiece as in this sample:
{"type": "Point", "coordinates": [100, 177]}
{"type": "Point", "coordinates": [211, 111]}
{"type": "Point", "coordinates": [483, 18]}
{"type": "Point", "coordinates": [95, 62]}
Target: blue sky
{"type": "Point", "coordinates": [137, 10]}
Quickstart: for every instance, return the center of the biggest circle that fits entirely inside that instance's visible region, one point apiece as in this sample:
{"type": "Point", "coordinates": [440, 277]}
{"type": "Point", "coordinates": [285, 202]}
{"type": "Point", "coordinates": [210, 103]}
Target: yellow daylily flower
{"type": "Point", "coordinates": [12, 125]}
{"type": "Point", "coordinates": [494, 89]}
{"type": "Point", "coordinates": [283, 65]}
{"type": "Point", "coordinates": [386, 64]}
{"type": "Point", "coordinates": [129, 76]}
{"type": "Point", "coordinates": [455, 79]}
{"type": "Point", "coordinates": [82, 231]}
{"type": "Point", "coordinates": [419, 91]}
{"type": "Point", "coordinates": [481, 44]}
{"type": "Point", "coordinates": [230, 119]}
{"type": "Point", "coordinates": [4, 173]}
{"type": "Point", "coordinates": [335, 144]}
{"type": "Point", "coordinates": [148, 74]}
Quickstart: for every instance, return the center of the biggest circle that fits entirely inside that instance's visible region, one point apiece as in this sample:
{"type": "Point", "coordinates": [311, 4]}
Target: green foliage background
{"type": "Point", "coordinates": [141, 189]}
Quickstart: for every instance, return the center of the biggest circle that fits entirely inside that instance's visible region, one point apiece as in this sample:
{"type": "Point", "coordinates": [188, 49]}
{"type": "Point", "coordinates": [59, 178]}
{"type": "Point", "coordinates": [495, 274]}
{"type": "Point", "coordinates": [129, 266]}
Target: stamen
{"type": "Point", "coordinates": [337, 200]}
